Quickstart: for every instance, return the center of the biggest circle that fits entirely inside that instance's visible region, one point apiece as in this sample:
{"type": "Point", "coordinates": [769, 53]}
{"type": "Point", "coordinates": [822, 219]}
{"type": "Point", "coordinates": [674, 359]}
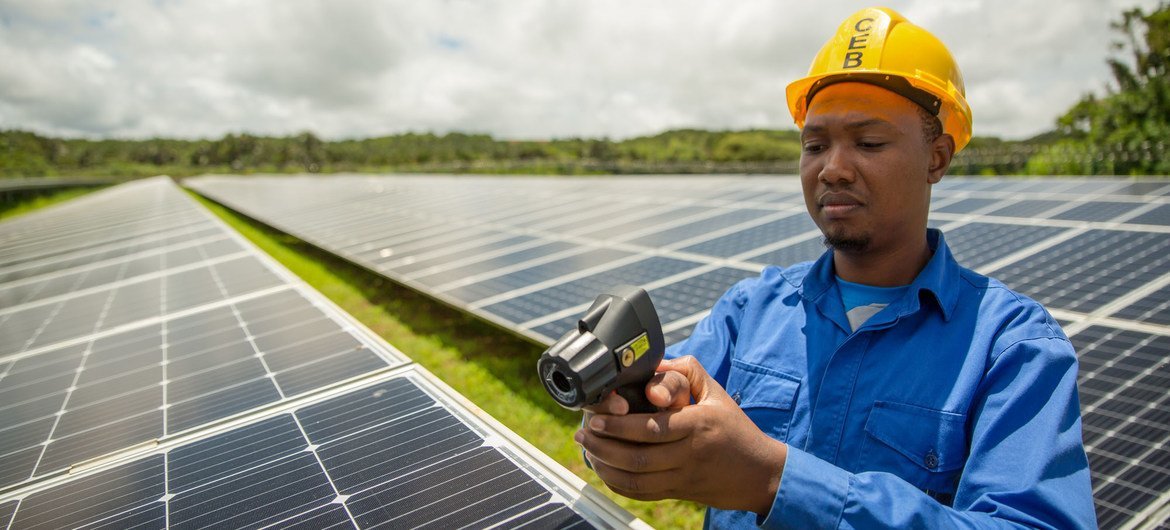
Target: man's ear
{"type": "Point", "coordinates": [942, 150]}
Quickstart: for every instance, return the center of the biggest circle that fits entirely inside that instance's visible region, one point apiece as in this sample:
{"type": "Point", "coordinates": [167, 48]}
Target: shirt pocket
{"type": "Point", "coordinates": [926, 447]}
{"type": "Point", "coordinates": [767, 396]}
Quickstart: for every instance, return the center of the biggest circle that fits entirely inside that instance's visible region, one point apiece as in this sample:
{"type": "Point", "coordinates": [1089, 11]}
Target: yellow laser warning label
{"type": "Point", "coordinates": [640, 345]}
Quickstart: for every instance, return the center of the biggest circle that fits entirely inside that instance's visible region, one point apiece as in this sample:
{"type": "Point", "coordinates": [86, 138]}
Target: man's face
{"type": "Point", "coordinates": [866, 168]}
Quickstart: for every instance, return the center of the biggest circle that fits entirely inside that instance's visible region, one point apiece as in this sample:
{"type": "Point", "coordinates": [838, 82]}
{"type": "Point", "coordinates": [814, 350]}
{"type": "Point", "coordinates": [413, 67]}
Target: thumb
{"type": "Point", "coordinates": [680, 380]}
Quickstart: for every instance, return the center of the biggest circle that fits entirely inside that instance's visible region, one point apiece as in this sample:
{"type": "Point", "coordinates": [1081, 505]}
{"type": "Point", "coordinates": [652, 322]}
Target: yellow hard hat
{"type": "Point", "coordinates": [879, 46]}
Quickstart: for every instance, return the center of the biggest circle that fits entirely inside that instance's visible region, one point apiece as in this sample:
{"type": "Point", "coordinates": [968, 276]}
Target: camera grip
{"type": "Point", "coordinates": [635, 395]}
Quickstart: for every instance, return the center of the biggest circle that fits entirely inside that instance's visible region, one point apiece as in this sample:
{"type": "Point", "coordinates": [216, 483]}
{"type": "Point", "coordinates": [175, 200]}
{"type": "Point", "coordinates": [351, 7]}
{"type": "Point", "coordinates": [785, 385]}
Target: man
{"type": "Point", "coordinates": [882, 386]}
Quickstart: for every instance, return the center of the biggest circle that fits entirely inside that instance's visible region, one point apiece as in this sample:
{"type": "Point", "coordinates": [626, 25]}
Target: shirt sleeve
{"type": "Point", "coordinates": [1027, 466]}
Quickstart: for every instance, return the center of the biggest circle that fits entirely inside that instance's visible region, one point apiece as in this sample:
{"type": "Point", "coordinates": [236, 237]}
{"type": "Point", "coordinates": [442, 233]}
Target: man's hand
{"type": "Point", "coordinates": [709, 452]}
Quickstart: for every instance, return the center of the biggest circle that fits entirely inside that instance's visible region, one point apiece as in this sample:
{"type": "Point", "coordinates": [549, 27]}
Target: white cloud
{"type": "Point", "coordinates": [515, 68]}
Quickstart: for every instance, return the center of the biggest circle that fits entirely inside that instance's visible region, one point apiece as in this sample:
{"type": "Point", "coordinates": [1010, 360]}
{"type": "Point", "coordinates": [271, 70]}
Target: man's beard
{"type": "Point", "coordinates": [846, 242]}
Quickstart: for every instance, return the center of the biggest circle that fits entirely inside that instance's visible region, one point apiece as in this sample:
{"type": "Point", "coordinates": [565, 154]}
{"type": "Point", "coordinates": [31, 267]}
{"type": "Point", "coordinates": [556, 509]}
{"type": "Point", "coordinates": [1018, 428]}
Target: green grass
{"type": "Point", "coordinates": [493, 368]}
{"type": "Point", "coordinates": [20, 205]}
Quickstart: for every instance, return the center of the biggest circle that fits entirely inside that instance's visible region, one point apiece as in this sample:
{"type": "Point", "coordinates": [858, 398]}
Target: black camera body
{"type": "Point", "coordinates": [617, 345]}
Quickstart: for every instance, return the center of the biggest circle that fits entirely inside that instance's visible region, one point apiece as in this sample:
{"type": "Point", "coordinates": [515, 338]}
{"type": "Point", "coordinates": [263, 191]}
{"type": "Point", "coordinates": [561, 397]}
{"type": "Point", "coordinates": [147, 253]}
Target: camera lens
{"type": "Point", "coordinates": [561, 382]}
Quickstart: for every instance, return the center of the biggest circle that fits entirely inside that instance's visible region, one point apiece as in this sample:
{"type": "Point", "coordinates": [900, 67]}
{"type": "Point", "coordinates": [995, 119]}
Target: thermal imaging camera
{"type": "Point", "coordinates": [616, 345]}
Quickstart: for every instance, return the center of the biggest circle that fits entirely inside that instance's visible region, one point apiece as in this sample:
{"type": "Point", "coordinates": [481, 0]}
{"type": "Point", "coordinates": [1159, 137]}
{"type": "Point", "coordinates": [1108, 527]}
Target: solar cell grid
{"type": "Point", "coordinates": [977, 244]}
{"type": "Point", "coordinates": [967, 205]}
{"type": "Point", "coordinates": [1089, 270]}
{"type": "Point", "coordinates": [195, 234]}
{"type": "Point", "coordinates": [386, 453]}
{"type": "Point", "coordinates": [1150, 187]}
{"type": "Point", "coordinates": [1123, 381]}
{"type": "Point", "coordinates": [1026, 208]}
{"type": "Point", "coordinates": [585, 216]}
{"type": "Point", "coordinates": [721, 219]}
{"type": "Point", "coordinates": [1099, 211]}
{"type": "Point", "coordinates": [962, 184]}
{"type": "Point", "coordinates": [394, 247]}
{"type": "Point", "coordinates": [1091, 186]}
{"type": "Point", "coordinates": [1160, 215]}
{"type": "Point", "coordinates": [792, 253]}
{"type": "Point", "coordinates": [1039, 186]}
{"type": "Point", "coordinates": [6, 511]}
{"type": "Point", "coordinates": [453, 237]}
{"type": "Point", "coordinates": [488, 262]}
{"type": "Point", "coordinates": [673, 302]}
{"type": "Point", "coordinates": [63, 282]}
{"type": "Point", "coordinates": [745, 240]}
{"type": "Point", "coordinates": [454, 253]}
{"type": "Point", "coordinates": [537, 304]}
{"type": "Point", "coordinates": [679, 299]}
{"type": "Point", "coordinates": [495, 285]}
{"type": "Point", "coordinates": [129, 343]}
{"type": "Point", "coordinates": [228, 360]}
{"type": "Point", "coordinates": [26, 246]}
{"type": "Point", "coordinates": [1154, 308]}
{"type": "Point", "coordinates": [549, 210]}
{"type": "Point", "coordinates": [642, 221]}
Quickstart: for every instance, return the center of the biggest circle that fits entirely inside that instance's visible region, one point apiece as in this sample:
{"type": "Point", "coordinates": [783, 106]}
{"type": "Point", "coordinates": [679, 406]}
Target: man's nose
{"type": "Point", "coordinates": [838, 168]}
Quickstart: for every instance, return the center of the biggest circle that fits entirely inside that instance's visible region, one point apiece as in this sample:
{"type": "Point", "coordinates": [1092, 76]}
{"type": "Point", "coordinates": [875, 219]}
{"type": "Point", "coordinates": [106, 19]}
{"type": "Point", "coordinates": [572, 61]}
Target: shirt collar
{"type": "Point", "coordinates": [940, 278]}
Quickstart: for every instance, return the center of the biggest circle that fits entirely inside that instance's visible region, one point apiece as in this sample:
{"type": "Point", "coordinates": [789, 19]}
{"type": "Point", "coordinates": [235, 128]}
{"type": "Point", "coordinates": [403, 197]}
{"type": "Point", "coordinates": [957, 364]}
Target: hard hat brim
{"type": "Point", "coordinates": [951, 108]}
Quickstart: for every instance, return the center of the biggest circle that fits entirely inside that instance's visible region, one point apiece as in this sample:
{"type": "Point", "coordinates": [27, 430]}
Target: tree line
{"type": "Point", "coordinates": [27, 154]}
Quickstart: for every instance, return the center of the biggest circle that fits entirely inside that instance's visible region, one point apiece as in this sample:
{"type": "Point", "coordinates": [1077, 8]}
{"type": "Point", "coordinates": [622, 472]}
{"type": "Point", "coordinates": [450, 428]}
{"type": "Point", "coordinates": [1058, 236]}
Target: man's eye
{"type": "Point", "coordinates": [871, 145]}
{"type": "Point", "coordinates": [813, 148]}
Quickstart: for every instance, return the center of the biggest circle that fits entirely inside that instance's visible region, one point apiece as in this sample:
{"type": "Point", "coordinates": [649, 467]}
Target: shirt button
{"type": "Point", "coordinates": [931, 460]}
{"type": "Point", "coordinates": [736, 397]}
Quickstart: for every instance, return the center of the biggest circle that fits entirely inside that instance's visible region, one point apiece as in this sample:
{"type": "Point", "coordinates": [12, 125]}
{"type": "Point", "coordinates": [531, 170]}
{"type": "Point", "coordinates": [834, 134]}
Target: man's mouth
{"type": "Point", "coordinates": [838, 204]}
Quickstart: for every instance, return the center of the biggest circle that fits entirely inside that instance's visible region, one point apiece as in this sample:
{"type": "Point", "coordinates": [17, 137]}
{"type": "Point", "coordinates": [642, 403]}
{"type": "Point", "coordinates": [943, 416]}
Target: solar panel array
{"type": "Point", "coordinates": [157, 370]}
{"type": "Point", "coordinates": [531, 253]}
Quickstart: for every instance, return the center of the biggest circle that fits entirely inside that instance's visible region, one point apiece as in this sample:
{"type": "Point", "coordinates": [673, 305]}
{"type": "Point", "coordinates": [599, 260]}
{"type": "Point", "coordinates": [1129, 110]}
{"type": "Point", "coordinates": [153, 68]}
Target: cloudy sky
{"type": "Point", "coordinates": [524, 69]}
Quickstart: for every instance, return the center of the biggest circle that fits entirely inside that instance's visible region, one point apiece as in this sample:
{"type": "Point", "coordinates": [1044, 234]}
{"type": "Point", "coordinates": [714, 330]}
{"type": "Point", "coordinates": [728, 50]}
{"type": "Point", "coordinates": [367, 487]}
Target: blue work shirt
{"type": "Point", "coordinates": [955, 406]}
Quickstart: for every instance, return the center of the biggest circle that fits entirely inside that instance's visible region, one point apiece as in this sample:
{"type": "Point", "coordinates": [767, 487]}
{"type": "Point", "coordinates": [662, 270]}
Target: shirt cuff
{"type": "Point", "coordinates": [812, 493]}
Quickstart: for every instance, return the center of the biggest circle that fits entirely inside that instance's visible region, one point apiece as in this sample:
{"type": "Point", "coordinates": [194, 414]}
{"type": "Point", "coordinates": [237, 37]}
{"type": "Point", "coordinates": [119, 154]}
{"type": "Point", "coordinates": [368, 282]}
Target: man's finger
{"type": "Point", "coordinates": [627, 456]}
{"type": "Point", "coordinates": [612, 404]}
{"type": "Point", "coordinates": [641, 486]}
{"type": "Point", "coordinates": [669, 390]}
{"type": "Point", "coordinates": [661, 427]}
{"type": "Point", "coordinates": [701, 385]}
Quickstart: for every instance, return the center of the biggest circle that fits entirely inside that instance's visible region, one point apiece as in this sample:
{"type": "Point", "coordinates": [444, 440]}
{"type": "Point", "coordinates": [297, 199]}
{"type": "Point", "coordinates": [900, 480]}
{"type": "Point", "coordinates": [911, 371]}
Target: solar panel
{"type": "Point", "coordinates": [969, 205]}
{"type": "Point", "coordinates": [979, 244]}
{"type": "Point", "coordinates": [1092, 250]}
{"type": "Point", "coordinates": [1096, 211]}
{"type": "Point", "coordinates": [1123, 381]}
{"type": "Point", "coordinates": [749, 239]}
{"type": "Point", "coordinates": [1090, 269]}
{"type": "Point", "coordinates": [383, 453]}
{"type": "Point", "coordinates": [1159, 215]}
{"type": "Point", "coordinates": [807, 248]}
{"type": "Point", "coordinates": [1026, 208]}
{"type": "Point", "coordinates": [152, 379]}
{"type": "Point", "coordinates": [1154, 308]}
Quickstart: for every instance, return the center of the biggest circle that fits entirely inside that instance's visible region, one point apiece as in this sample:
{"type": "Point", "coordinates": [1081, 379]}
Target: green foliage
{"type": "Point", "coordinates": [19, 203]}
{"type": "Point", "coordinates": [26, 154]}
{"type": "Point", "coordinates": [1126, 130]}
{"type": "Point", "coordinates": [755, 146]}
